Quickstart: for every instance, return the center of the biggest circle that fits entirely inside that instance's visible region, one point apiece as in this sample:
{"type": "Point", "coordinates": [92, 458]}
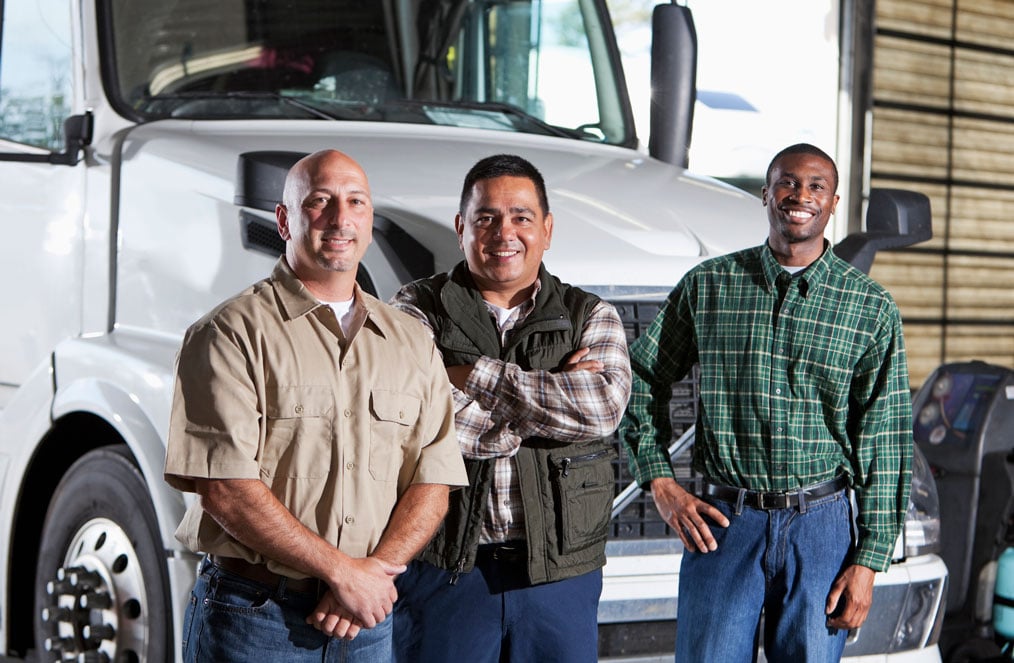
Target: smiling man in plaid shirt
{"type": "Point", "coordinates": [541, 377]}
{"type": "Point", "coordinates": [803, 393]}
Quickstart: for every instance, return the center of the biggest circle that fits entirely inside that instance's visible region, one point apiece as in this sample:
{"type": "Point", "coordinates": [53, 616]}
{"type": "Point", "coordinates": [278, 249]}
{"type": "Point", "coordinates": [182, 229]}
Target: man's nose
{"type": "Point", "coordinates": [504, 230]}
{"type": "Point", "coordinates": [337, 215]}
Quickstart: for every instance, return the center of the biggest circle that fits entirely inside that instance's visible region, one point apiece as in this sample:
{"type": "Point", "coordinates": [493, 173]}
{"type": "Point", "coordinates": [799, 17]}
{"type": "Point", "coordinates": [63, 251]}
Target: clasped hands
{"type": "Point", "coordinates": [362, 596]}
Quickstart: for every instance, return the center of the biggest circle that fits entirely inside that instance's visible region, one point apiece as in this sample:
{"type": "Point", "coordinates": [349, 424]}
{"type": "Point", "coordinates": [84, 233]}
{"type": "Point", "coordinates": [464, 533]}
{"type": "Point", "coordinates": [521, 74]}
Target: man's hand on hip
{"type": "Point", "coordinates": [686, 514]}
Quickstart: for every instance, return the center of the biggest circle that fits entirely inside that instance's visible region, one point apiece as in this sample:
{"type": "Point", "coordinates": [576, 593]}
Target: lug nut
{"type": "Point", "coordinates": [98, 632]}
{"type": "Point", "coordinates": [56, 614]}
{"type": "Point", "coordinates": [58, 644]}
{"type": "Point", "coordinates": [59, 587]}
{"type": "Point", "coordinates": [95, 601]}
{"type": "Point", "coordinates": [87, 579]}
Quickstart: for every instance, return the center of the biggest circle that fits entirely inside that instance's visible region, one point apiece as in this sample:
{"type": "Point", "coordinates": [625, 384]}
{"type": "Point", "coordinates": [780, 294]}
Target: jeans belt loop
{"type": "Point", "coordinates": [802, 502]}
{"type": "Point", "coordinates": [739, 501]}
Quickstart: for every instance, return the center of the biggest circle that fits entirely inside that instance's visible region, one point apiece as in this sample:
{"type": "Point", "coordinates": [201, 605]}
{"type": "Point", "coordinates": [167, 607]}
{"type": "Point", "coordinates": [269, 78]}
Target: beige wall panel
{"type": "Point", "coordinates": [913, 279]}
{"type": "Point", "coordinates": [989, 22]}
{"type": "Point", "coordinates": [984, 83]}
{"type": "Point", "coordinates": [912, 72]}
{"type": "Point", "coordinates": [922, 345]}
{"type": "Point", "coordinates": [980, 288]}
{"type": "Point", "coordinates": [994, 345]}
{"type": "Point", "coordinates": [983, 152]}
{"type": "Point", "coordinates": [907, 143]}
{"type": "Point", "coordinates": [982, 220]}
{"type": "Point", "coordinates": [925, 17]}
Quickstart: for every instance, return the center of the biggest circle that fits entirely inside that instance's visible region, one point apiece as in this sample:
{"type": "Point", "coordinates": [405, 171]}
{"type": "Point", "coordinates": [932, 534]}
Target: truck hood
{"type": "Point", "coordinates": [623, 222]}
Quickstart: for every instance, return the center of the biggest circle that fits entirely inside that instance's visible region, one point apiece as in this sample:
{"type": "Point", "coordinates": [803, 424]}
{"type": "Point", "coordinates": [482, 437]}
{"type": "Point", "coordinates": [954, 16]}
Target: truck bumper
{"type": "Point", "coordinates": [639, 595]}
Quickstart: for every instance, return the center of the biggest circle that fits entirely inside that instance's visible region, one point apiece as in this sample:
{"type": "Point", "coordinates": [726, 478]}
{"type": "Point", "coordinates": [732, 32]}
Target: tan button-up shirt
{"type": "Point", "coordinates": [268, 388]}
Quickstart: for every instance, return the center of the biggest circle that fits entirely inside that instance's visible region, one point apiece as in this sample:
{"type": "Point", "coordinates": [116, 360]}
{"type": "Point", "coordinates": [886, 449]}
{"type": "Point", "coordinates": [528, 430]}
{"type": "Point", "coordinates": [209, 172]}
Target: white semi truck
{"type": "Point", "coordinates": [142, 149]}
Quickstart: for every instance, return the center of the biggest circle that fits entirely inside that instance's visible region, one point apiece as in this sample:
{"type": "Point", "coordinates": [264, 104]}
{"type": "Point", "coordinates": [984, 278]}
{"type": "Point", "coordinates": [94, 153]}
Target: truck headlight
{"type": "Point", "coordinates": [922, 522]}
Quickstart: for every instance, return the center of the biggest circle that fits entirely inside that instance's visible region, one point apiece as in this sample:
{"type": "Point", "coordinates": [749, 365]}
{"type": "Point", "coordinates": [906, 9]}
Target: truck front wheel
{"type": "Point", "coordinates": [102, 585]}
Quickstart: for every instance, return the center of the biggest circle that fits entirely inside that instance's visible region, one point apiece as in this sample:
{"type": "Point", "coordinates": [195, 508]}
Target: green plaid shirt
{"type": "Point", "coordinates": [801, 378]}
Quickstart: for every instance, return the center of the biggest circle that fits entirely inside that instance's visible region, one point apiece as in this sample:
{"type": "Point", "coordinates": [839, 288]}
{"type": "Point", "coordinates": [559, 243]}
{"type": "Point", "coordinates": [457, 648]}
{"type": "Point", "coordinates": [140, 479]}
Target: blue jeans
{"type": "Point", "coordinates": [232, 619]}
{"type": "Point", "coordinates": [782, 562]}
{"type": "Point", "coordinates": [493, 614]}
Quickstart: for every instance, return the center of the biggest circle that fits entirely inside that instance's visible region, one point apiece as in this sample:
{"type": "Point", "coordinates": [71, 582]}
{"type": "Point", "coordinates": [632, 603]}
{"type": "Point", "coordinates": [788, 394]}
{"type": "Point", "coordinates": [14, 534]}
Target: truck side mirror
{"type": "Point", "coordinates": [673, 83]}
{"type": "Point", "coordinates": [77, 133]}
{"type": "Point", "coordinates": [894, 218]}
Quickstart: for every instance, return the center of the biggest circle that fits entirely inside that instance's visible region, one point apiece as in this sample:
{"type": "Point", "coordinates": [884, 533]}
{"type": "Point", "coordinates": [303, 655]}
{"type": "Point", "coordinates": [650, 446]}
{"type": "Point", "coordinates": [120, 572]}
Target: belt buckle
{"type": "Point", "coordinates": [767, 501]}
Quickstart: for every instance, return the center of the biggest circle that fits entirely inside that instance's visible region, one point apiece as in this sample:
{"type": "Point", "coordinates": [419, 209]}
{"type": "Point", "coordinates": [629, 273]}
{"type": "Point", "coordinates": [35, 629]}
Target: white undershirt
{"type": "Point", "coordinates": [342, 311]}
{"type": "Point", "coordinates": [502, 314]}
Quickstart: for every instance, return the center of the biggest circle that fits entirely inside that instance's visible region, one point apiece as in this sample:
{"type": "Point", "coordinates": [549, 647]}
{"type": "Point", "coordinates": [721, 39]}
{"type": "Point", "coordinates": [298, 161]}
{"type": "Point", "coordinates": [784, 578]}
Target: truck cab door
{"type": "Point", "coordinates": [41, 199]}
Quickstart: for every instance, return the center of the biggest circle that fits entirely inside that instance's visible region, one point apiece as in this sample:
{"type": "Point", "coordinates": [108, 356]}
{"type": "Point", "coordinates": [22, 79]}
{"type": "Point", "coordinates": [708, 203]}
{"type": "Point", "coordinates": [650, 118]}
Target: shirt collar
{"type": "Point", "coordinates": [522, 310]}
{"type": "Point", "coordinates": [296, 301]}
{"type": "Point", "coordinates": [813, 275]}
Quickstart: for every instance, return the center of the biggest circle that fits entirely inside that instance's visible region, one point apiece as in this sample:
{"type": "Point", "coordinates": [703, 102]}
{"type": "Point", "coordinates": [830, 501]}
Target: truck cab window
{"type": "Point", "coordinates": [35, 72]}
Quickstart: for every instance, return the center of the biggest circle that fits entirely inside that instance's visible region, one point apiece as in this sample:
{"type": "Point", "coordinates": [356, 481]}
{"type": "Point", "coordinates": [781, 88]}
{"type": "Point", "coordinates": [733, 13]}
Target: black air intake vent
{"type": "Point", "coordinates": [260, 235]}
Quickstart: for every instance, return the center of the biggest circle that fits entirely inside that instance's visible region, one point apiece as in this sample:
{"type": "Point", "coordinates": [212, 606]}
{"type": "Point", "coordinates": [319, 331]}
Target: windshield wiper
{"type": "Point", "coordinates": [500, 107]}
{"type": "Point", "coordinates": [244, 95]}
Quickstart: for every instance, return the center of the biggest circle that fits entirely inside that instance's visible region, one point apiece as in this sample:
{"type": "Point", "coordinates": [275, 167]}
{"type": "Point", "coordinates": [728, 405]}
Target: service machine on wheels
{"type": "Point", "coordinates": [964, 424]}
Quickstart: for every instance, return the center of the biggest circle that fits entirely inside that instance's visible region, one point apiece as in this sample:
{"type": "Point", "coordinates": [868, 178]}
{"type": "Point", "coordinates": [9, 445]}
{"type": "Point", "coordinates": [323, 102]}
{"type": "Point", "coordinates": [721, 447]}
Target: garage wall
{"type": "Point", "coordinates": [943, 124]}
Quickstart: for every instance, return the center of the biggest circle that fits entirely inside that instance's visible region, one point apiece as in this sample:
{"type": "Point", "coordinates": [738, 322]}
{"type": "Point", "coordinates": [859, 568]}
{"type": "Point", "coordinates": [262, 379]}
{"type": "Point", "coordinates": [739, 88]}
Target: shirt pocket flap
{"type": "Point", "coordinates": [291, 402]}
{"type": "Point", "coordinates": [394, 406]}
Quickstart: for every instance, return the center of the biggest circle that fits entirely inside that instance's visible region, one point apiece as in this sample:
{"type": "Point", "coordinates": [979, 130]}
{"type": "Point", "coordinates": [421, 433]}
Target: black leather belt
{"type": "Point", "coordinates": [260, 573]}
{"type": "Point", "coordinates": [515, 551]}
{"type": "Point", "coordinates": [775, 500]}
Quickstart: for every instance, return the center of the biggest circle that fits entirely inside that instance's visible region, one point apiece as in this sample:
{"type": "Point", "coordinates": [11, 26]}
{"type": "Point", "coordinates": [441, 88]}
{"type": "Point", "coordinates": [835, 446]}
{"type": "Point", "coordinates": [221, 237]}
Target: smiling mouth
{"type": "Point", "coordinates": [504, 254]}
{"type": "Point", "coordinates": [799, 215]}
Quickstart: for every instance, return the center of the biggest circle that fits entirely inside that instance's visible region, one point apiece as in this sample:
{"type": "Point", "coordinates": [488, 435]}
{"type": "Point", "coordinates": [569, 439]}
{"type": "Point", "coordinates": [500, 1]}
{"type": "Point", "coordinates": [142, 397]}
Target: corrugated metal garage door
{"type": "Point", "coordinates": [943, 124]}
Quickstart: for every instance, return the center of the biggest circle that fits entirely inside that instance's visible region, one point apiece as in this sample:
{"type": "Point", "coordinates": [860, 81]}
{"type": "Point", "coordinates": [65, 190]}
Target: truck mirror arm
{"type": "Point", "coordinates": [894, 218]}
{"type": "Point", "coordinates": [77, 133]}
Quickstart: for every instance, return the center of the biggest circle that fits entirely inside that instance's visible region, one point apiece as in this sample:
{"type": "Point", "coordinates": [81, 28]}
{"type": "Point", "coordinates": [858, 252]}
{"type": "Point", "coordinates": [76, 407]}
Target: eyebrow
{"type": "Point", "coordinates": [513, 210]}
{"type": "Point", "coordinates": [811, 179]}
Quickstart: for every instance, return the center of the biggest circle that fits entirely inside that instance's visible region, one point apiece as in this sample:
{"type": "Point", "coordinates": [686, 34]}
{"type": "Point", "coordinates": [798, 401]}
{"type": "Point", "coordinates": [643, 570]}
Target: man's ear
{"type": "Point", "coordinates": [459, 228]}
{"type": "Point", "coordinates": [282, 217]}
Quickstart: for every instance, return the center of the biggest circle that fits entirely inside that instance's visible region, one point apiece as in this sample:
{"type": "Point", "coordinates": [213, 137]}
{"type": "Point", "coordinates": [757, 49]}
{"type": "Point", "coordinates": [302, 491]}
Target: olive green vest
{"type": "Point", "coordinates": [567, 489]}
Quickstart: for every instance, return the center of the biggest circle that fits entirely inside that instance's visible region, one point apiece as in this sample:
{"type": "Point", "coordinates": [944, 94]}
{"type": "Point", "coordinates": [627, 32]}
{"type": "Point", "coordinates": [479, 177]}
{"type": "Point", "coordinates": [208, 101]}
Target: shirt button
{"type": "Point", "coordinates": [778, 390]}
{"type": "Point", "coordinates": [350, 520]}
{"type": "Point", "coordinates": [348, 413]}
{"type": "Point", "coordinates": [350, 466]}
{"type": "Point", "coordinates": [299, 409]}
{"type": "Point", "coordinates": [778, 430]}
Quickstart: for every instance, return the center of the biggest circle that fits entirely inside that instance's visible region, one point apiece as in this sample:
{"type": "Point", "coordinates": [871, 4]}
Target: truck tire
{"type": "Point", "coordinates": [102, 590]}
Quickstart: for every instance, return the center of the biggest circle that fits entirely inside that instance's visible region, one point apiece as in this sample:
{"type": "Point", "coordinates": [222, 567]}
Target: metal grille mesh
{"type": "Point", "coordinates": [640, 520]}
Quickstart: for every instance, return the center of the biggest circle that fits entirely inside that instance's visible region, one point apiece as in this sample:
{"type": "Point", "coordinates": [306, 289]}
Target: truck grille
{"type": "Point", "coordinates": [640, 520]}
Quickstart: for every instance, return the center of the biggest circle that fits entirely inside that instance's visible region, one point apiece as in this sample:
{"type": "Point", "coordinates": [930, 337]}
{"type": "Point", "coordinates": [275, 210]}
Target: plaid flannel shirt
{"type": "Point", "coordinates": [801, 378]}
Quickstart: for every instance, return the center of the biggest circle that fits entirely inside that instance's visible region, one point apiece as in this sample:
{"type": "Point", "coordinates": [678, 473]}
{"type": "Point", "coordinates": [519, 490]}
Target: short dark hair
{"type": "Point", "coordinates": [503, 165]}
{"type": "Point", "coordinates": [802, 148]}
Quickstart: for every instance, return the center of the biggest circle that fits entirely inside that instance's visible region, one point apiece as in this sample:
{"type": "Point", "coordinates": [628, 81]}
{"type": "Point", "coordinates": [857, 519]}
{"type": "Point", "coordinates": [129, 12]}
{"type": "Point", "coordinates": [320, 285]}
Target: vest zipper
{"type": "Point", "coordinates": [565, 463]}
{"type": "Point", "coordinates": [458, 570]}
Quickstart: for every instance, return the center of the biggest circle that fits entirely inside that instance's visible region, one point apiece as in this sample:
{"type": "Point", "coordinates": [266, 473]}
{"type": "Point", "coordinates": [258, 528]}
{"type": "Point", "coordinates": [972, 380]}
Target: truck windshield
{"type": "Point", "coordinates": [536, 66]}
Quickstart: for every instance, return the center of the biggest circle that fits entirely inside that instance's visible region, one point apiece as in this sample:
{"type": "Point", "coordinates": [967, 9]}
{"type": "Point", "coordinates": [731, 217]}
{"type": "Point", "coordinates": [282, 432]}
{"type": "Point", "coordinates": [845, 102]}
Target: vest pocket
{"type": "Point", "coordinates": [583, 489]}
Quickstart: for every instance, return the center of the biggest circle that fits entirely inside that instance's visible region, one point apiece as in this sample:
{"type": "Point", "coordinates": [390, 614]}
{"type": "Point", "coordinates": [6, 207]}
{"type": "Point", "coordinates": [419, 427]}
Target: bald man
{"type": "Point", "coordinates": [315, 424]}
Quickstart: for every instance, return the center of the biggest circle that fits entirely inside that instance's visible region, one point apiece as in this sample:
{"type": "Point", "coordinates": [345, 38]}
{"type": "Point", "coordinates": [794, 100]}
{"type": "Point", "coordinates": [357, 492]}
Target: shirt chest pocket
{"type": "Point", "coordinates": [393, 418]}
{"type": "Point", "coordinates": [298, 442]}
